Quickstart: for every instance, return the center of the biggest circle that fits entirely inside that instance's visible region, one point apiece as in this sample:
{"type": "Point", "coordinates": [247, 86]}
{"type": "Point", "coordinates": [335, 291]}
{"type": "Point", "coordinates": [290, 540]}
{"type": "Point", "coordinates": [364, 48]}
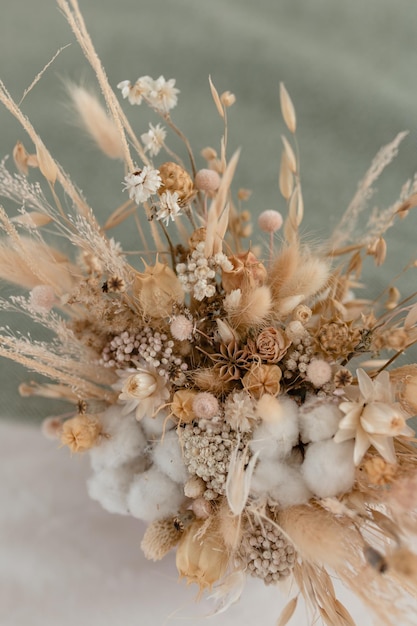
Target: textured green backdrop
{"type": "Point", "coordinates": [349, 66]}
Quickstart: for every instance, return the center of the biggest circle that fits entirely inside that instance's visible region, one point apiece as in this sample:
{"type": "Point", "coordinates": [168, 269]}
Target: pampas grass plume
{"type": "Point", "coordinates": [96, 122]}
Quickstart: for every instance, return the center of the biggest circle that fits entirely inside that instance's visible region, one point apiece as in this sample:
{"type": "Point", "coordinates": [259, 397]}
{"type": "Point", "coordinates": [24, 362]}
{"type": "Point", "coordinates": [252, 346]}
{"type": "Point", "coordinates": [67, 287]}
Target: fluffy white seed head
{"type": "Point", "coordinates": [278, 432]}
{"type": "Point", "coordinates": [167, 456]}
{"type": "Point", "coordinates": [328, 467]}
{"type": "Point", "coordinates": [318, 419]}
{"type": "Point", "coordinates": [152, 495]}
{"type": "Point", "coordinates": [110, 487]}
{"type": "Point", "coordinates": [280, 482]}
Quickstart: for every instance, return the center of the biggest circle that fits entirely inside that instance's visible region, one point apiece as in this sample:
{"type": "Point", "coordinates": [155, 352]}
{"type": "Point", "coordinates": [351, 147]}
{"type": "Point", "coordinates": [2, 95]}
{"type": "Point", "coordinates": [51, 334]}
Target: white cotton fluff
{"type": "Point", "coordinates": [110, 487]}
{"type": "Point", "coordinates": [280, 482]}
{"type": "Point", "coordinates": [124, 442]}
{"type": "Point", "coordinates": [318, 419]}
{"type": "Point", "coordinates": [278, 432]}
{"type": "Point", "coordinates": [155, 426]}
{"type": "Point", "coordinates": [153, 495]}
{"type": "Point", "coordinates": [328, 467]}
{"type": "Point", "coordinates": [167, 456]}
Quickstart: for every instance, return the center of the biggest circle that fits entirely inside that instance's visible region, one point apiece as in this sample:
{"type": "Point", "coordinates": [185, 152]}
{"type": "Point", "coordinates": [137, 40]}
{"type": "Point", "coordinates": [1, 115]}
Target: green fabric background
{"type": "Point", "coordinates": [350, 68]}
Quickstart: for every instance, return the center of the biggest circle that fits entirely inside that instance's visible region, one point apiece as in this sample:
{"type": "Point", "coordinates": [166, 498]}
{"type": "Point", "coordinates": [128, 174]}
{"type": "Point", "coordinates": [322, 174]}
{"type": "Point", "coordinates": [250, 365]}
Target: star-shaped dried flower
{"type": "Point", "coordinates": [373, 418]}
{"type": "Point", "coordinates": [141, 184]}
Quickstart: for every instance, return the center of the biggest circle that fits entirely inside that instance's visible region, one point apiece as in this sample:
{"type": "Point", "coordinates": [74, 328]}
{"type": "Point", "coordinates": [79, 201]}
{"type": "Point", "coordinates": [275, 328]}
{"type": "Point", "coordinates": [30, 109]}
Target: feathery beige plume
{"type": "Point", "coordinates": [96, 122]}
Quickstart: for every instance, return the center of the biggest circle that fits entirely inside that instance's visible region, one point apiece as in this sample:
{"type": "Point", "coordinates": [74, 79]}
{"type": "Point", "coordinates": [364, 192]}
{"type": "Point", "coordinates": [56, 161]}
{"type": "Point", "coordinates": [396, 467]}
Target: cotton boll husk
{"type": "Point", "coordinates": [277, 434]}
{"type": "Point", "coordinates": [328, 467]}
{"type": "Point", "coordinates": [110, 487]}
{"type": "Point", "coordinates": [154, 427]}
{"type": "Point", "coordinates": [153, 495]}
{"type": "Point", "coordinates": [282, 483]}
{"type": "Point", "coordinates": [167, 455]}
{"type": "Point", "coordinates": [124, 440]}
{"type": "Point", "coordinates": [318, 419]}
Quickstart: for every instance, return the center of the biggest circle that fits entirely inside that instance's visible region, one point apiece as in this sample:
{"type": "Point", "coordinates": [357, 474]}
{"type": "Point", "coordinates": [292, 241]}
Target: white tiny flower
{"type": "Point", "coordinates": [163, 95]}
{"type": "Point", "coordinates": [168, 207]}
{"type": "Point", "coordinates": [136, 92]}
{"type": "Point", "coordinates": [125, 87]}
{"type": "Point", "coordinates": [154, 139]}
{"type": "Point", "coordinates": [141, 184]}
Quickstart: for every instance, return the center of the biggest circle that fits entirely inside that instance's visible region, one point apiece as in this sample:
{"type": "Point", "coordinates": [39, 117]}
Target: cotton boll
{"type": "Point", "coordinates": [154, 427]}
{"type": "Point", "coordinates": [153, 495]}
{"type": "Point", "coordinates": [167, 455]}
{"type": "Point", "coordinates": [110, 487]}
{"type": "Point", "coordinates": [318, 419]}
{"type": "Point", "coordinates": [280, 482]}
{"type": "Point", "coordinates": [124, 441]}
{"type": "Point", "coordinates": [278, 434]}
{"type": "Point", "coordinates": [328, 467]}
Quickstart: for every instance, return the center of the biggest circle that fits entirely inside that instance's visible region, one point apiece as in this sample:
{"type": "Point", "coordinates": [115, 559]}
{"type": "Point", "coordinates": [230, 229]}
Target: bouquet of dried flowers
{"type": "Point", "coordinates": [243, 402]}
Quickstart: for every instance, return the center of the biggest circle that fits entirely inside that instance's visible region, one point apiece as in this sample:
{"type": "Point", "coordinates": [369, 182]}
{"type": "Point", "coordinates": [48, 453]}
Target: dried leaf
{"type": "Point", "coordinates": [292, 161]}
{"type": "Point", "coordinates": [296, 208]}
{"type": "Point", "coordinates": [46, 163]}
{"type": "Point", "coordinates": [287, 109]}
{"type": "Point", "coordinates": [216, 98]}
{"type": "Point", "coordinates": [411, 318]}
{"type": "Point", "coordinates": [287, 612]}
{"type": "Point", "coordinates": [286, 178]}
{"type": "Point", "coordinates": [342, 611]}
{"type": "Point", "coordinates": [32, 220]}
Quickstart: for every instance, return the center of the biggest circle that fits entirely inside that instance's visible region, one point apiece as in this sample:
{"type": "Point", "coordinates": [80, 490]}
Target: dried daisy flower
{"type": "Point", "coordinates": [143, 391]}
{"type": "Point", "coordinates": [169, 209]}
{"type": "Point", "coordinates": [142, 184]}
{"type": "Point", "coordinates": [373, 418]}
{"type": "Point", "coordinates": [154, 139]}
{"type": "Point", "coordinates": [80, 433]}
{"type": "Point", "coordinates": [262, 378]}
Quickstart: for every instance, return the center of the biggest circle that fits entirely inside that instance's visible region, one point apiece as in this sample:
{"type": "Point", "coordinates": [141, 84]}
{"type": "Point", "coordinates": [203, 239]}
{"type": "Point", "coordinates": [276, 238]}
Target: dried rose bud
{"type": "Point", "coordinates": [262, 379]}
{"type": "Point", "coordinates": [302, 313]}
{"type": "Point", "coordinates": [272, 344]}
{"type": "Point", "coordinates": [247, 273]}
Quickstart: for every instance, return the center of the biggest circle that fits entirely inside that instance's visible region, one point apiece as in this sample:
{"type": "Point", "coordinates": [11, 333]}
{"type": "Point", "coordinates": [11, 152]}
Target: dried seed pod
{"type": "Point", "coordinates": [176, 179]}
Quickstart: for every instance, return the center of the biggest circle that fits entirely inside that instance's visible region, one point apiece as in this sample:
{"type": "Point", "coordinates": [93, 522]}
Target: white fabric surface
{"type": "Point", "coordinates": [65, 561]}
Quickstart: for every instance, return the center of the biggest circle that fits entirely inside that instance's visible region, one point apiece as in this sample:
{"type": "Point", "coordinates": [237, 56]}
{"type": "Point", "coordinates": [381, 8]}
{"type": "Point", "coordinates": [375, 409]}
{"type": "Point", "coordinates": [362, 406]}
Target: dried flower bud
{"type": "Point", "coordinates": [247, 272]}
{"type": "Point", "coordinates": [205, 405]}
{"type": "Point", "coordinates": [176, 179]}
{"type": "Point", "coordinates": [244, 194]}
{"type": "Point", "coordinates": [194, 487]}
{"type": "Point", "coordinates": [81, 432]}
{"type": "Point", "coordinates": [197, 237]}
{"type": "Point", "coordinates": [22, 159]}
{"type": "Point", "coordinates": [295, 330]}
{"type": "Point", "coordinates": [270, 221]}
{"type": "Point", "coordinates": [201, 559]}
{"type": "Point", "coordinates": [302, 313]}
{"type": "Point", "coordinates": [342, 378]}
{"type": "Point", "coordinates": [202, 508]}
{"type": "Point", "coordinates": [262, 379]}
{"type": "Point", "coordinates": [52, 427]}
{"type": "Point", "coordinates": [272, 344]}
{"type": "Point", "coordinates": [207, 180]}
{"type": "Point", "coordinates": [182, 405]}
{"type": "Point", "coordinates": [160, 289]}
{"type": "Point", "coordinates": [227, 98]}
{"type": "Point", "coordinates": [379, 471]}
{"type": "Point", "coordinates": [208, 153]}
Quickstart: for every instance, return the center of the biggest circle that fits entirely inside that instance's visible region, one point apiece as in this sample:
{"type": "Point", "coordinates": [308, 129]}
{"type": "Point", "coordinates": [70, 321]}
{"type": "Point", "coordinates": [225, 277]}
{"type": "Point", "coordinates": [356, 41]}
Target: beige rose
{"type": "Point", "coordinates": [272, 344]}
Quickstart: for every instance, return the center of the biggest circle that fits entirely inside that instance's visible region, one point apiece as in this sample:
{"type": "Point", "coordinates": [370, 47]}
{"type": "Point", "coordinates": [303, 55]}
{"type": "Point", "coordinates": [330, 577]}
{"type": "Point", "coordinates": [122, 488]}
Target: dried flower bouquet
{"type": "Point", "coordinates": [245, 403]}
